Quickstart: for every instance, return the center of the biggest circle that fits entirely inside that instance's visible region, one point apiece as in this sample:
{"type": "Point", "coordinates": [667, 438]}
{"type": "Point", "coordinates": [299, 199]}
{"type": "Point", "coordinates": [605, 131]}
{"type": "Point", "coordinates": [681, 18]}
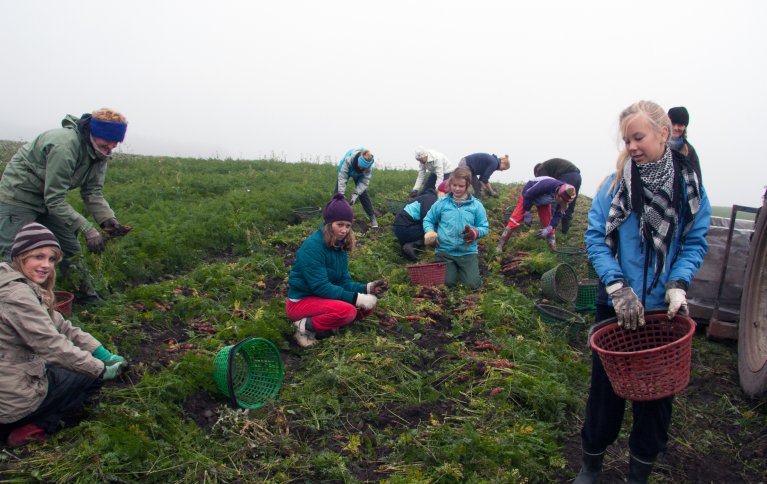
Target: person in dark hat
{"type": "Point", "coordinates": [36, 180]}
{"type": "Point", "coordinates": [680, 119]}
{"type": "Point", "coordinates": [564, 171]}
{"type": "Point", "coordinates": [357, 165]}
{"type": "Point", "coordinates": [322, 296]}
{"type": "Point", "coordinates": [48, 367]}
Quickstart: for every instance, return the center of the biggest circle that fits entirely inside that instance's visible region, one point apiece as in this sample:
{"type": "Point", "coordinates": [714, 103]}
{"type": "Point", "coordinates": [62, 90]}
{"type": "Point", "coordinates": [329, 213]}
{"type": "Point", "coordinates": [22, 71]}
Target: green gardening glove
{"type": "Point", "coordinates": [107, 356]}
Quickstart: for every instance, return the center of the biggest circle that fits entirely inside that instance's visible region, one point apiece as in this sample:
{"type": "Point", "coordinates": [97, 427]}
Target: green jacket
{"type": "Point", "coordinates": [41, 173]}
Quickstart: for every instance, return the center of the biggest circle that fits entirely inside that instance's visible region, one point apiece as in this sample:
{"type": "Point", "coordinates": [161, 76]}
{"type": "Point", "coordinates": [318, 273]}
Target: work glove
{"type": "Point", "coordinates": [628, 308]}
{"type": "Point", "coordinates": [366, 301]}
{"type": "Point", "coordinates": [545, 232]}
{"type": "Point", "coordinates": [677, 302]}
{"type": "Point", "coordinates": [94, 241]}
{"type": "Point", "coordinates": [111, 372]}
{"type": "Point", "coordinates": [469, 234]}
{"type": "Point", "coordinates": [492, 192]}
{"type": "Point", "coordinates": [414, 194]}
{"type": "Point", "coordinates": [378, 288]}
{"type": "Point", "coordinates": [107, 356]}
{"type": "Point", "coordinates": [114, 228]}
{"type": "Point", "coordinates": [528, 217]}
{"type": "Point", "coordinates": [551, 240]}
{"type": "Point", "coordinates": [430, 239]}
{"type": "Point", "coordinates": [354, 199]}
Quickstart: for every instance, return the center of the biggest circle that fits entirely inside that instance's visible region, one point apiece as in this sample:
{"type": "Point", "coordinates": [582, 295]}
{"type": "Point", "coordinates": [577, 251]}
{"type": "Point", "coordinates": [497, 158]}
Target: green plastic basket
{"type": "Point", "coordinates": [575, 256]}
{"type": "Point", "coordinates": [565, 323]}
{"type": "Point", "coordinates": [248, 373]}
{"type": "Point", "coordinates": [560, 283]}
{"type": "Point", "coordinates": [306, 213]}
{"type": "Point", "coordinates": [587, 295]}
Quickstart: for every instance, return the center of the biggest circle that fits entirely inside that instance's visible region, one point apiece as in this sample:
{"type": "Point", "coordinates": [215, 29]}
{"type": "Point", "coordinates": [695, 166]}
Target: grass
{"type": "Point", "coordinates": [475, 388]}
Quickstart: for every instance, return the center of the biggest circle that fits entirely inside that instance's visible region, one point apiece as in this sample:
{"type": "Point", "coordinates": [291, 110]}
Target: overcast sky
{"type": "Point", "coordinates": [309, 79]}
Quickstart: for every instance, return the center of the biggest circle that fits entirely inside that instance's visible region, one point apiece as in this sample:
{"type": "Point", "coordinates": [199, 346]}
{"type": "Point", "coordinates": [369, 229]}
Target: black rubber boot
{"type": "Point", "coordinates": [639, 470]}
{"type": "Point", "coordinates": [591, 466]}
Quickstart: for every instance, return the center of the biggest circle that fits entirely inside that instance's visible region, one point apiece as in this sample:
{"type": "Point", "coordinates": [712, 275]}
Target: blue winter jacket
{"type": "Point", "coordinates": [346, 170]}
{"type": "Point", "coordinates": [542, 190]}
{"type": "Point", "coordinates": [683, 260]}
{"type": "Point", "coordinates": [323, 272]}
{"type": "Point", "coordinates": [451, 219]}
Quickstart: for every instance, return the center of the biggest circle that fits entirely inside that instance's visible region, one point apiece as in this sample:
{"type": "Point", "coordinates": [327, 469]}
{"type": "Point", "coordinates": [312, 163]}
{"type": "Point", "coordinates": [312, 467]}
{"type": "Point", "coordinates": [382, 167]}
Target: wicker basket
{"type": "Point", "coordinates": [248, 373]}
{"type": "Point", "coordinates": [427, 274]}
{"type": "Point", "coordinates": [560, 283]}
{"type": "Point", "coordinates": [63, 302]}
{"type": "Point", "coordinates": [650, 363]}
{"type": "Point", "coordinates": [587, 295]}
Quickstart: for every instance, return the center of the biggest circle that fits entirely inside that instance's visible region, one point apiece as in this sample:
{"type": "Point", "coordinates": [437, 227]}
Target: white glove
{"type": "Point", "coordinates": [677, 302]}
{"type": "Point", "coordinates": [354, 199]}
{"type": "Point", "coordinates": [430, 238]}
{"type": "Point", "coordinates": [628, 309]}
{"type": "Point", "coordinates": [366, 301]}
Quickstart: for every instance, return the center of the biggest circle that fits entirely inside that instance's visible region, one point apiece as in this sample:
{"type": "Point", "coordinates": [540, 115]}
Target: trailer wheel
{"type": "Point", "coordinates": [752, 328]}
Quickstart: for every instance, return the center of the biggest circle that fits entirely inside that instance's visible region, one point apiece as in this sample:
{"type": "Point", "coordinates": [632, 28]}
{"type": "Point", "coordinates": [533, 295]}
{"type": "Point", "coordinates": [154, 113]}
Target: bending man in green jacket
{"type": "Point", "coordinates": [36, 180]}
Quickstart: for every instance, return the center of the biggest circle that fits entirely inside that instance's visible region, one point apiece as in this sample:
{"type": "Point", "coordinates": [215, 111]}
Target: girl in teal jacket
{"type": "Point", "coordinates": [460, 220]}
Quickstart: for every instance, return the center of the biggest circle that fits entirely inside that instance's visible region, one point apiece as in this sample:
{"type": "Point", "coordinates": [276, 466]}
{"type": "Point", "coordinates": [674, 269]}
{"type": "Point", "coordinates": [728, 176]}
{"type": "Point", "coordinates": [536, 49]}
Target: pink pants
{"type": "Point", "coordinates": [544, 215]}
{"type": "Point", "coordinates": [326, 314]}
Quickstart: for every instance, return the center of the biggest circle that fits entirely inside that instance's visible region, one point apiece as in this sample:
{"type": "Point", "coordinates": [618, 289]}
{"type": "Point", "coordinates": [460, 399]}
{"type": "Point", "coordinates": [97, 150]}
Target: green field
{"type": "Point", "coordinates": [435, 386]}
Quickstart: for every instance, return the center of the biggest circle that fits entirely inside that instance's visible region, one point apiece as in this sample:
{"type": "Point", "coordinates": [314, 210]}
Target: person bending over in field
{"type": "Point", "coordinates": [564, 171]}
{"type": "Point", "coordinates": [48, 367]}
{"type": "Point", "coordinates": [541, 192]}
{"type": "Point", "coordinates": [322, 296]}
{"type": "Point", "coordinates": [453, 225]}
{"type": "Point", "coordinates": [357, 165]}
{"type": "Point", "coordinates": [36, 180]}
{"type": "Point", "coordinates": [482, 166]}
{"type": "Point", "coordinates": [408, 223]}
{"type": "Point", "coordinates": [433, 168]}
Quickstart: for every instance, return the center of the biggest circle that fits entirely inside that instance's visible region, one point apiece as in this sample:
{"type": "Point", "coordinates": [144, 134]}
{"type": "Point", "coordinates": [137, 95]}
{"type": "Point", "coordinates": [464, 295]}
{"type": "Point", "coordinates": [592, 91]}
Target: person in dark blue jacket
{"type": "Point", "coordinates": [541, 192]}
{"type": "Point", "coordinates": [408, 223]}
{"type": "Point", "coordinates": [564, 171]}
{"type": "Point", "coordinates": [322, 296]}
{"type": "Point", "coordinates": [482, 166]}
{"type": "Point", "coordinates": [646, 239]}
{"type": "Point", "coordinates": [453, 225]}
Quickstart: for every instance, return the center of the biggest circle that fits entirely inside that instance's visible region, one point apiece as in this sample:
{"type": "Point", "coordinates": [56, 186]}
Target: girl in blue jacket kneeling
{"type": "Point", "coordinates": [460, 219]}
{"type": "Point", "coordinates": [322, 296]}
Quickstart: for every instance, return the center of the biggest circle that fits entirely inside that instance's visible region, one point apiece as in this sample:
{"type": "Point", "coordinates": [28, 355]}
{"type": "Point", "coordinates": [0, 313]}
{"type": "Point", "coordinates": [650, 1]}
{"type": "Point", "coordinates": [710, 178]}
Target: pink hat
{"type": "Point", "coordinates": [566, 192]}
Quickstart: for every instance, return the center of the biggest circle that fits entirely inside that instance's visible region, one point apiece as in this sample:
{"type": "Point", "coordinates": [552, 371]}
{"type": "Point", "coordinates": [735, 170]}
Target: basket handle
{"type": "Point", "coordinates": [600, 324]}
{"type": "Point", "coordinates": [229, 365]}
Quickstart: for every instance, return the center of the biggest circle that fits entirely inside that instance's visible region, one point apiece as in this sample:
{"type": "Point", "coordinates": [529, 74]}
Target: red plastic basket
{"type": "Point", "coordinates": [63, 302]}
{"type": "Point", "coordinates": [427, 274]}
{"type": "Point", "coordinates": [650, 363]}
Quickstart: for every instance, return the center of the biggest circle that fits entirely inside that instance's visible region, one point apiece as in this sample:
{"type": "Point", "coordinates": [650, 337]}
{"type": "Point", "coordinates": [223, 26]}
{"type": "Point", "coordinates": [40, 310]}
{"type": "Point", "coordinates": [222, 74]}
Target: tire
{"type": "Point", "coordinates": [752, 328]}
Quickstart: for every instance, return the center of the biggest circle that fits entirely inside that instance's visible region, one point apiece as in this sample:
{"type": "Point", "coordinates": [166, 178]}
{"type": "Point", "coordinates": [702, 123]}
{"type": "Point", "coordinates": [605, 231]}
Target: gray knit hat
{"type": "Point", "coordinates": [33, 236]}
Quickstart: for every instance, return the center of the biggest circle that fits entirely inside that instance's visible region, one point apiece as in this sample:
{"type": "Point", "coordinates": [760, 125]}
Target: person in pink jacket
{"type": "Point", "coordinates": [48, 367]}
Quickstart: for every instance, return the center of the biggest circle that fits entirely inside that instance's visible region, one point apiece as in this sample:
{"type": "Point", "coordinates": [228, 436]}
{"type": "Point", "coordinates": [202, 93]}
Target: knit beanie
{"type": "Point", "coordinates": [33, 236]}
{"type": "Point", "coordinates": [566, 192]}
{"type": "Point", "coordinates": [338, 209]}
{"type": "Point", "coordinates": [679, 115]}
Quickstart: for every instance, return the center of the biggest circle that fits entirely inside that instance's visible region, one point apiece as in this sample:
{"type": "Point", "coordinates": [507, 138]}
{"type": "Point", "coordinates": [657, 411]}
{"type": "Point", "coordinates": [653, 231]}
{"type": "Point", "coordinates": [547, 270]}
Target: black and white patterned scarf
{"type": "Point", "coordinates": [652, 192]}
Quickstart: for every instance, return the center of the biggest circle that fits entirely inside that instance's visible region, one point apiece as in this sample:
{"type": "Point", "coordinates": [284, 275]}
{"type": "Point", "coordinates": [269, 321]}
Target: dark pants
{"type": "Point", "coordinates": [604, 413]}
{"type": "Point", "coordinates": [67, 392]}
{"type": "Point", "coordinates": [431, 182]}
{"type": "Point", "coordinates": [574, 179]}
{"type": "Point", "coordinates": [364, 199]}
{"type": "Point", "coordinates": [408, 233]}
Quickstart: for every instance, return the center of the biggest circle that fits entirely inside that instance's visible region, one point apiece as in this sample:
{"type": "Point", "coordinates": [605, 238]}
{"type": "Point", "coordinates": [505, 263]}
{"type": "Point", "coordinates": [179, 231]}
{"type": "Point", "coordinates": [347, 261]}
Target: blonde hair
{"type": "Point", "coordinates": [107, 114]}
{"type": "Point", "coordinates": [504, 160]}
{"type": "Point", "coordinates": [657, 119]}
{"type": "Point", "coordinates": [330, 238]}
{"type": "Point", "coordinates": [47, 287]}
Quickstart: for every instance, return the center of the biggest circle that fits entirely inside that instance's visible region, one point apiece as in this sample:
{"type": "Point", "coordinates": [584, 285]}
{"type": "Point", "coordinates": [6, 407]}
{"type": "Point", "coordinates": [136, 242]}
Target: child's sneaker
{"type": "Point", "coordinates": [303, 336]}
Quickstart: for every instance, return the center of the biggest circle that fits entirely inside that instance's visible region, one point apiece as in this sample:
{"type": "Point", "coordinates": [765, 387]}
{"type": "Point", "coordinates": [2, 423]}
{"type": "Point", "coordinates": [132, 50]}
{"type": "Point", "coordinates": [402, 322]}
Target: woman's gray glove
{"type": "Point", "coordinates": [94, 241]}
{"type": "Point", "coordinates": [628, 308]}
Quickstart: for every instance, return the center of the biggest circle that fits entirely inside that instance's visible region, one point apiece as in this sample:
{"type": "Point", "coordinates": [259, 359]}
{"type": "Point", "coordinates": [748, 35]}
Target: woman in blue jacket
{"type": "Point", "coordinates": [460, 219]}
{"type": "Point", "coordinates": [322, 296]}
{"type": "Point", "coordinates": [646, 238]}
{"type": "Point", "coordinates": [357, 165]}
